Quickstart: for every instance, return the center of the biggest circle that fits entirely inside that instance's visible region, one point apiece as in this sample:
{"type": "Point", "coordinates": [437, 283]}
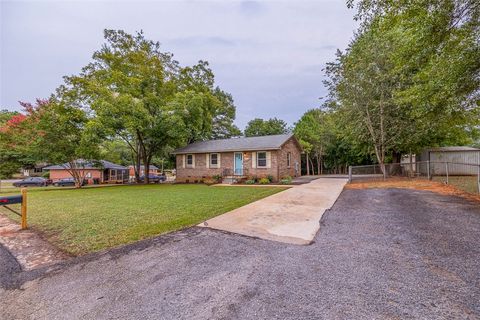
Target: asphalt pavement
{"type": "Point", "coordinates": [380, 253]}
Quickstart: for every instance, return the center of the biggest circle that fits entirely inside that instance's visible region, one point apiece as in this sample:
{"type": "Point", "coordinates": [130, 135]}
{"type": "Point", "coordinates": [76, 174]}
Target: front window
{"type": "Point", "coordinates": [189, 160]}
{"type": "Point", "coordinates": [289, 159]}
{"type": "Point", "coordinates": [261, 159]}
{"type": "Point", "coordinates": [214, 159]}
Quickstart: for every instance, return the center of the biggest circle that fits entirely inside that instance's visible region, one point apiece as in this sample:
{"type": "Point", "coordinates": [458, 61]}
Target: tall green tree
{"type": "Point", "coordinates": [260, 127]}
{"type": "Point", "coordinates": [142, 95]}
{"type": "Point", "coordinates": [58, 132]}
{"type": "Point", "coordinates": [410, 77]}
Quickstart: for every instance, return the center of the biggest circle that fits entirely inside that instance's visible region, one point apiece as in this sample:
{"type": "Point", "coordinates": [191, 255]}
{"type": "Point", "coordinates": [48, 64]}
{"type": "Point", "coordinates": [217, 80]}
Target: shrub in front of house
{"type": "Point", "coordinates": [209, 181]}
{"type": "Point", "coordinates": [264, 181]}
{"type": "Point", "coordinates": [253, 178]}
{"type": "Point", "coordinates": [250, 181]}
{"type": "Point", "coordinates": [270, 178]}
{"type": "Point", "coordinates": [217, 178]}
{"type": "Point", "coordinates": [286, 180]}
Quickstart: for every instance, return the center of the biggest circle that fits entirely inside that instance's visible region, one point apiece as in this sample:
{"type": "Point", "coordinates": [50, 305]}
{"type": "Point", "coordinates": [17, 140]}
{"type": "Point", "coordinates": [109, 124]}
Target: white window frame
{"type": "Point", "coordinates": [189, 165]}
{"type": "Point", "coordinates": [289, 159]}
{"type": "Point", "coordinates": [214, 165]}
{"type": "Point", "coordinates": [258, 158]}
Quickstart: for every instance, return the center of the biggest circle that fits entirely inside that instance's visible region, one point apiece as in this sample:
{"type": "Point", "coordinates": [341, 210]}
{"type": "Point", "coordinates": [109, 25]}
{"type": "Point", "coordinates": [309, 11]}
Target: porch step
{"type": "Point", "coordinates": [229, 180]}
{"type": "Point", "coordinates": [232, 179]}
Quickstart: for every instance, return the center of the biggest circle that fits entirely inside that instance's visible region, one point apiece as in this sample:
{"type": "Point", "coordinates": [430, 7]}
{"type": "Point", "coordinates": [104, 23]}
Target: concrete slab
{"type": "Point", "coordinates": [291, 216]}
{"type": "Point", "coordinates": [27, 247]}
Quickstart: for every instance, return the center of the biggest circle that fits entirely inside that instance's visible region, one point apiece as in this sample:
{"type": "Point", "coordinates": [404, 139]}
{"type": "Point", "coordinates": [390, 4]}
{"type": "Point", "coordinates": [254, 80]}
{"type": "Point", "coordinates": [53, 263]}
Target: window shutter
{"type": "Point", "coordinates": [269, 159]}
{"type": "Point", "coordinates": [193, 160]}
{"type": "Point", "coordinates": [218, 160]}
{"type": "Point", "coordinates": [207, 160]}
{"type": "Point", "coordinates": [183, 161]}
{"type": "Point", "coordinates": [254, 159]}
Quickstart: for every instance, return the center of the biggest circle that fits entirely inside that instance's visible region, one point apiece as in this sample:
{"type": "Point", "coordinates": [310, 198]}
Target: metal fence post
{"type": "Point", "coordinates": [349, 174]}
{"type": "Point", "coordinates": [428, 169]}
{"type": "Point", "coordinates": [478, 178]}
{"type": "Point", "coordinates": [446, 170]}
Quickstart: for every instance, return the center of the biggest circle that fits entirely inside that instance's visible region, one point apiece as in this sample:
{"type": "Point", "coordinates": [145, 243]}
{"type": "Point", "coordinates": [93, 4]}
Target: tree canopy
{"type": "Point", "coordinates": [410, 77]}
{"type": "Point", "coordinates": [143, 96]}
{"type": "Point", "coordinates": [260, 127]}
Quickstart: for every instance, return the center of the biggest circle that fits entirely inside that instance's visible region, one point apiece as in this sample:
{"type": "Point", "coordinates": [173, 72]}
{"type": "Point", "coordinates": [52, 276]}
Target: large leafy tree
{"type": "Point", "coordinates": [58, 133]}
{"type": "Point", "coordinates": [410, 77]}
{"type": "Point", "coordinates": [12, 133]}
{"type": "Point", "coordinates": [314, 133]}
{"type": "Point", "coordinates": [260, 127]}
{"type": "Point", "coordinates": [143, 96]}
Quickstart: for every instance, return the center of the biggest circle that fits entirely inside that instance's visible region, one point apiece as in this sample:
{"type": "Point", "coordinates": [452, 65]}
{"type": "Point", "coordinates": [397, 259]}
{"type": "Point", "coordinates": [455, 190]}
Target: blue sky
{"type": "Point", "coordinates": [268, 54]}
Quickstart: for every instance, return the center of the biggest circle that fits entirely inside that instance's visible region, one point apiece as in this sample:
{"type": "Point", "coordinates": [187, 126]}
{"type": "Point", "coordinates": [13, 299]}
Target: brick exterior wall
{"type": "Point", "coordinates": [294, 170]}
{"type": "Point", "coordinates": [278, 164]}
{"type": "Point", "coordinates": [57, 174]}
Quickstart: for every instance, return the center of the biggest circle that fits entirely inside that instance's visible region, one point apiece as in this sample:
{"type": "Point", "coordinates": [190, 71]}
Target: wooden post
{"type": "Point", "coordinates": [24, 209]}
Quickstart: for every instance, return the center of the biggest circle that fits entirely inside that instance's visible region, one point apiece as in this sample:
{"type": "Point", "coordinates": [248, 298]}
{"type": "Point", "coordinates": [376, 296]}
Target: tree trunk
{"type": "Point", "coordinates": [313, 168]}
{"type": "Point", "coordinates": [308, 165]}
{"type": "Point", "coordinates": [138, 161]}
{"type": "Point", "coordinates": [318, 164]}
{"type": "Point", "coordinates": [146, 167]}
{"type": "Point", "coordinates": [145, 157]}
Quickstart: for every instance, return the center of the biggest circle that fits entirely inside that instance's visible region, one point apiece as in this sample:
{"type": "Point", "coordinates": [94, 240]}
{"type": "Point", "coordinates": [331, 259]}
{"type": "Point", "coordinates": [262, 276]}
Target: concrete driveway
{"type": "Point", "coordinates": [292, 216]}
{"type": "Point", "coordinates": [380, 254]}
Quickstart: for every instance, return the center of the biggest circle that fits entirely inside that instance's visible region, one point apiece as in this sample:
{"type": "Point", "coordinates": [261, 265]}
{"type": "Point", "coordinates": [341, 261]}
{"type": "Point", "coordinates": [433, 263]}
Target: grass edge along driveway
{"type": "Point", "coordinates": [92, 219]}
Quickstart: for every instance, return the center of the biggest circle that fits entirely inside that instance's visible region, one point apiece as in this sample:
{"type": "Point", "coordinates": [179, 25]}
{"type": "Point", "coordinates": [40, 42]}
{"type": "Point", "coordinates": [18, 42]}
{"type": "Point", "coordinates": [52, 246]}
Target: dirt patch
{"type": "Point", "coordinates": [433, 186]}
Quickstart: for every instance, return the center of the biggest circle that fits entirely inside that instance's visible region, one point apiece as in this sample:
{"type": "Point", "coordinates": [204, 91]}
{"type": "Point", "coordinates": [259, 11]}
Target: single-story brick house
{"type": "Point", "coordinates": [277, 156]}
{"type": "Point", "coordinates": [101, 171]}
{"type": "Point", "coordinates": [151, 170]}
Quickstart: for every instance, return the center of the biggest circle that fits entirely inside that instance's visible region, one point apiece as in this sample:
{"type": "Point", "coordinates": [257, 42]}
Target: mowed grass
{"type": "Point", "coordinates": [91, 219]}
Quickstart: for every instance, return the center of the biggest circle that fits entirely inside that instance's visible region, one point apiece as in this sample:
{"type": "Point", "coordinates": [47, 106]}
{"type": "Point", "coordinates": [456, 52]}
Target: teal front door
{"type": "Point", "coordinates": [238, 165]}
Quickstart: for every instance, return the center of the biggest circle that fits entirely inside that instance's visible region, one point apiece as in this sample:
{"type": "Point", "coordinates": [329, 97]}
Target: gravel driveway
{"type": "Point", "coordinates": [380, 253]}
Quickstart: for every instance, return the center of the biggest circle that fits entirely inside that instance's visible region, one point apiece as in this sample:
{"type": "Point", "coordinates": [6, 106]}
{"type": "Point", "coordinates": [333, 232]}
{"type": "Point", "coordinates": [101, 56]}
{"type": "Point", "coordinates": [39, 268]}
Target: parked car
{"type": "Point", "coordinates": [66, 182]}
{"type": "Point", "coordinates": [33, 182]}
{"type": "Point", "coordinates": [154, 178]}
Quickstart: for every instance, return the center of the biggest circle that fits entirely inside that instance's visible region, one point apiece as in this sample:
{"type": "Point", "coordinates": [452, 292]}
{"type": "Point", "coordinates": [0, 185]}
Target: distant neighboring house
{"type": "Point", "coordinates": [457, 154]}
{"type": "Point", "coordinates": [95, 172]}
{"type": "Point", "coordinates": [151, 170]}
{"type": "Point", "coordinates": [34, 171]}
{"type": "Point", "coordinates": [276, 156]}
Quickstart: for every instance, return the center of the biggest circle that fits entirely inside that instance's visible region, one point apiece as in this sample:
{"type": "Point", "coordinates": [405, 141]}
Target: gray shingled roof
{"type": "Point", "coordinates": [88, 165]}
{"type": "Point", "coordinates": [236, 144]}
{"type": "Point", "coordinates": [455, 148]}
{"type": "Point", "coordinates": [151, 167]}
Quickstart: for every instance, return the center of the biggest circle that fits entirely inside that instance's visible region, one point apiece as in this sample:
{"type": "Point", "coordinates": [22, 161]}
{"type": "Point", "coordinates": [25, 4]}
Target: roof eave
{"type": "Point", "coordinates": [224, 151]}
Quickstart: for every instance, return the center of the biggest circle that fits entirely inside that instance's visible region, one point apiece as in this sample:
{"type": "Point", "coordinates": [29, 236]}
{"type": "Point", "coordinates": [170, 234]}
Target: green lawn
{"type": "Point", "coordinates": [91, 219]}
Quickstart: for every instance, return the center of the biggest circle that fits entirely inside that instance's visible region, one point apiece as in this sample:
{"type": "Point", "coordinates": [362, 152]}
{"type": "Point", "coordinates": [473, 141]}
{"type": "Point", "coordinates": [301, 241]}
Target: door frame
{"type": "Point", "coordinates": [235, 164]}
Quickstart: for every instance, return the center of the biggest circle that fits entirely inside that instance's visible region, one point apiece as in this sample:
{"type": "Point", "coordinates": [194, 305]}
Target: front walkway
{"type": "Point", "coordinates": [26, 246]}
{"type": "Point", "coordinates": [291, 216]}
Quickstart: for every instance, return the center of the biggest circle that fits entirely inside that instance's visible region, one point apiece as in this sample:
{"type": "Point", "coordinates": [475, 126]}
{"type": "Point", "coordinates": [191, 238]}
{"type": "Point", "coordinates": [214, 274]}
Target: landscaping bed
{"type": "Point", "coordinates": [92, 219]}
